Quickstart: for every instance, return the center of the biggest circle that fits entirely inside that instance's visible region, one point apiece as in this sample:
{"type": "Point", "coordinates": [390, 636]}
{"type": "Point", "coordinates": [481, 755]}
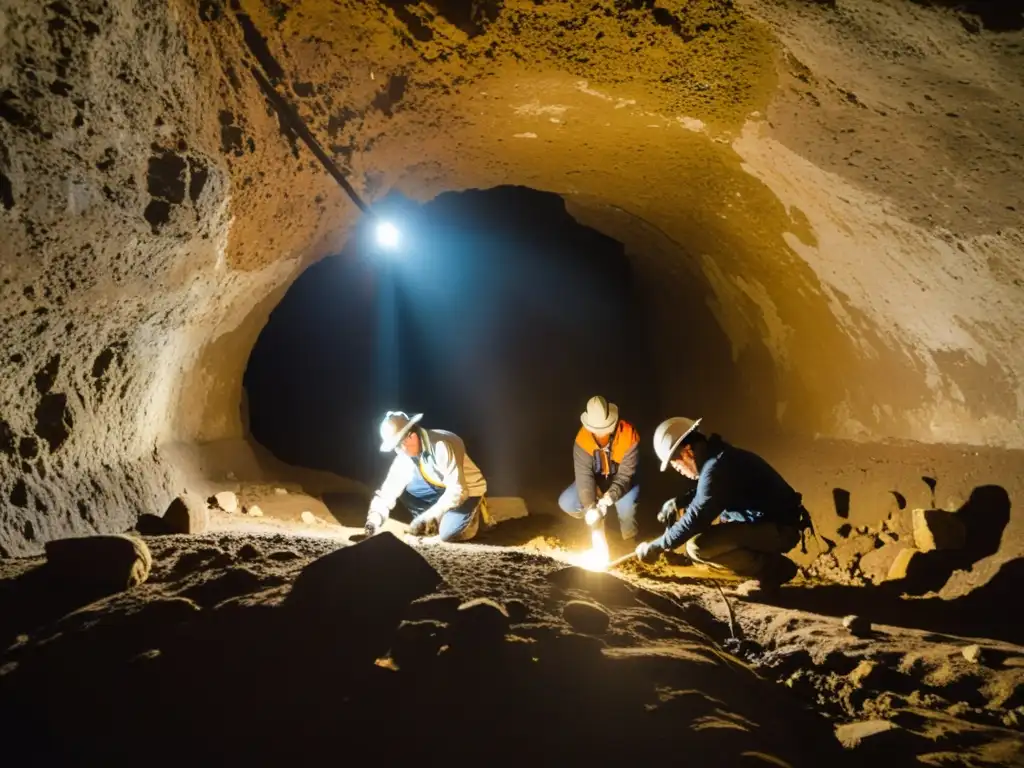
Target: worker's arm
{"type": "Point", "coordinates": [586, 486]}
{"type": "Point", "coordinates": [398, 478]}
{"type": "Point", "coordinates": [624, 474]}
{"type": "Point", "coordinates": [700, 513]}
{"type": "Point", "coordinates": [449, 466]}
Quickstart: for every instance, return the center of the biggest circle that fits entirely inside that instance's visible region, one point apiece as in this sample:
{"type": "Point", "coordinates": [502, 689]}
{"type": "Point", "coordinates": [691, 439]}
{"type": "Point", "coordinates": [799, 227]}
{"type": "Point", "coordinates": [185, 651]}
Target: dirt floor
{"type": "Point", "coordinates": [269, 640]}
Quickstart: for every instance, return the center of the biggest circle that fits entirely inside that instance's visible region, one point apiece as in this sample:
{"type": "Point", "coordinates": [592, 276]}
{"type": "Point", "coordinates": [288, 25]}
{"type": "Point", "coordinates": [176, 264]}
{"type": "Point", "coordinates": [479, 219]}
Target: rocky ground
{"type": "Point", "coordinates": [272, 640]}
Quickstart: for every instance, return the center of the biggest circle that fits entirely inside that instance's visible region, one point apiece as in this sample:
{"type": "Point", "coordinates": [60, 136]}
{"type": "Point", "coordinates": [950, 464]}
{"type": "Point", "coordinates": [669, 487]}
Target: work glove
{"type": "Point", "coordinates": [604, 502]}
{"type": "Point", "coordinates": [420, 524]}
{"type": "Point", "coordinates": [374, 522]}
{"type": "Point", "coordinates": [647, 551]}
{"type": "Point", "coordinates": [669, 512]}
{"type": "Point", "coordinates": [593, 515]}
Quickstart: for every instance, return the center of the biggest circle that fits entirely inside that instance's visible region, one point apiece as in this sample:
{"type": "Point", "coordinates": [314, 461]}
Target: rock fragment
{"type": "Point", "coordinates": [479, 624]}
{"type": "Point", "coordinates": [224, 500]}
{"type": "Point", "coordinates": [586, 617]}
{"type": "Point", "coordinates": [186, 514]}
{"type": "Point", "coordinates": [857, 625]}
{"type": "Point", "coordinates": [308, 517]}
{"type": "Point", "coordinates": [938, 529]}
{"type": "Point", "coordinates": [106, 564]}
{"type": "Point", "coordinates": [253, 511]}
{"type": "Point", "coordinates": [974, 654]}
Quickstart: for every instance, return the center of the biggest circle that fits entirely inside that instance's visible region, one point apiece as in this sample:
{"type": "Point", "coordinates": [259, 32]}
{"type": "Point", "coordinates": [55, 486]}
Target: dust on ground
{"type": "Point", "coordinates": [216, 653]}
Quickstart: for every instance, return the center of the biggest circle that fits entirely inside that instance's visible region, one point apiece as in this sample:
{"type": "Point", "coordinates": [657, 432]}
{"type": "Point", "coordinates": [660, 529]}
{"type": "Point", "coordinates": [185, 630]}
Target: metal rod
{"type": "Point", "coordinates": [621, 560]}
{"type": "Point", "coordinates": [291, 118]}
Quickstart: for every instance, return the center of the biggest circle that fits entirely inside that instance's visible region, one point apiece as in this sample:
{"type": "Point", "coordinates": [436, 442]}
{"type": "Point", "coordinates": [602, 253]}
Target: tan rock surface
{"type": "Point", "coordinates": [824, 188]}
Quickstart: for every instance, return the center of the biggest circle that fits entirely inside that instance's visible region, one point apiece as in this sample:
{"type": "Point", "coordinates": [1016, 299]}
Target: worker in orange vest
{"type": "Point", "coordinates": [605, 458]}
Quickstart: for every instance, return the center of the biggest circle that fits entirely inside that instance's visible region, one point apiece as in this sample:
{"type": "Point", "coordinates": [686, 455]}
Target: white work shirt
{"type": "Point", "coordinates": [447, 465]}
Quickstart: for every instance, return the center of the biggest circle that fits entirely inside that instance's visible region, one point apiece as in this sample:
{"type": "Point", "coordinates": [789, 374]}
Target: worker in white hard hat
{"type": "Point", "coordinates": [760, 516]}
{"type": "Point", "coordinates": [433, 477]}
{"type": "Point", "coordinates": [605, 458]}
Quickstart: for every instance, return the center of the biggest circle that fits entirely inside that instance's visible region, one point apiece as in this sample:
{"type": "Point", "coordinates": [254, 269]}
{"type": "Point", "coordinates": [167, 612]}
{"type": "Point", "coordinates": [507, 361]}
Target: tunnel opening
{"type": "Point", "coordinates": [497, 316]}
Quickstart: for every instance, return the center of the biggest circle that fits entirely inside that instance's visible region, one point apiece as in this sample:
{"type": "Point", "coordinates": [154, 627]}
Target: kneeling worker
{"type": "Point", "coordinates": [433, 477]}
{"type": "Point", "coordinates": [605, 457]}
{"type": "Point", "coordinates": [762, 517]}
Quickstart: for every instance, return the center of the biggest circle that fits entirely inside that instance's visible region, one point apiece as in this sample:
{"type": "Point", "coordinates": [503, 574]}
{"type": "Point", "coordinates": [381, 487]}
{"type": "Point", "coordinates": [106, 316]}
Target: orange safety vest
{"type": "Point", "coordinates": [608, 457]}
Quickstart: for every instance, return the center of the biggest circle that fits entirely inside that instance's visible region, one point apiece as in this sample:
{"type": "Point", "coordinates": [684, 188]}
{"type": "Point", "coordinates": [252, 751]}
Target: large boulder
{"type": "Point", "coordinates": [187, 513]}
{"type": "Point", "coordinates": [938, 529]}
{"type": "Point", "coordinates": [106, 564]}
{"type": "Point", "coordinates": [350, 601]}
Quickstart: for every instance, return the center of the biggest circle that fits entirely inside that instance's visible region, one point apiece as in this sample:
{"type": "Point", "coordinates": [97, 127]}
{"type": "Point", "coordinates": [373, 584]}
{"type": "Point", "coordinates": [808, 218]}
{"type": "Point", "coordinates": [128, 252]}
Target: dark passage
{"type": "Point", "coordinates": [498, 317]}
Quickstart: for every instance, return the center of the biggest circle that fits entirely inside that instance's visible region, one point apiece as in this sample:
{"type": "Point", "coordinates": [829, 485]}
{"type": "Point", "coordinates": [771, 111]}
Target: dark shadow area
{"type": "Point", "coordinates": [40, 596]}
{"type": "Point", "coordinates": [984, 612]}
{"type": "Point", "coordinates": [841, 500]}
{"type": "Point", "coordinates": [995, 15]}
{"type": "Point", "coordinates": [254, 684]}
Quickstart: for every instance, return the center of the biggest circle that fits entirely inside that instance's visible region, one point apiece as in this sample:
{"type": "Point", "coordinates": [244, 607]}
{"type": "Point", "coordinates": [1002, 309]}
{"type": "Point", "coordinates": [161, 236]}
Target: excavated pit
{"type": "Point", "coordinates": [832, 192]}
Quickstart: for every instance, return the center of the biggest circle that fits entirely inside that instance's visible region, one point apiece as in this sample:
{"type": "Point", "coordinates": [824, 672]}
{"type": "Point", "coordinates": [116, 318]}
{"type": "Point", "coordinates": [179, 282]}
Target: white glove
{"type": "Point", "coordinates": [374, 521]}
{"type": "Point", "coordinates": [593, 515]}
{"type": "Point", "coordinates": [605, 502]}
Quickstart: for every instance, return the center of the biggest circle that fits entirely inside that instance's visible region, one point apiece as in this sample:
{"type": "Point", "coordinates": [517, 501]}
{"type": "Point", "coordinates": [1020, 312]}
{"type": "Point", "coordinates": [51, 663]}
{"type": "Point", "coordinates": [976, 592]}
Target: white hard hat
{"type": "Point", "coordinates": [600, 417]}
{"type": "Point", "coordinates": [669, 436]}
{"type": "Point", "coordinates": [395, 427]}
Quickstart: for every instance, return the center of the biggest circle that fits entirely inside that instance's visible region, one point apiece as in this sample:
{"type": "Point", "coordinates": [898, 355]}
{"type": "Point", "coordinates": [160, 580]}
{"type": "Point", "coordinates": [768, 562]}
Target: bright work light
{"type": "Point", "coordinates": [388, 235]}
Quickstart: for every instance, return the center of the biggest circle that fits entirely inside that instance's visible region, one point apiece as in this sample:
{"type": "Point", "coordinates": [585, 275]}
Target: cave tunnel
{"type": "Point", "coordinates": [830, 302]}
{"type": "Point", "coordinates": [498, 317]}
{"type": "Point", "coordinates": [800, 221]}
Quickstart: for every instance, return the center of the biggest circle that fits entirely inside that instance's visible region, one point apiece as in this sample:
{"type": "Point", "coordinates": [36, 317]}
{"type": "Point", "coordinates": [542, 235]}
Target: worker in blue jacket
{"type": "Point", "coordinates": [760, 517]}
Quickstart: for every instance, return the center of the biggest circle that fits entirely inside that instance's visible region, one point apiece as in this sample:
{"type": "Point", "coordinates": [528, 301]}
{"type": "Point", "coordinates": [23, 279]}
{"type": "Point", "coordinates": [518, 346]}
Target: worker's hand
{"type": "Point", "coordinates": [647, 551]}
{"type": "Point", "coordinates": [668, 513]}
{"type": "Point", "coordinates": [593, 516]}
{"type": "Point", "coordinates": [420, 524]}
{"type": "Point", "coordinates": [604, 502]}
{"type": "Point", "coordinates": [374, 522]}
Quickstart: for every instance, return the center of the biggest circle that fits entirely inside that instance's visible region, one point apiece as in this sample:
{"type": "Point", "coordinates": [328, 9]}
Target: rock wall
{"type": "Point", "coordinates": [835, 193]}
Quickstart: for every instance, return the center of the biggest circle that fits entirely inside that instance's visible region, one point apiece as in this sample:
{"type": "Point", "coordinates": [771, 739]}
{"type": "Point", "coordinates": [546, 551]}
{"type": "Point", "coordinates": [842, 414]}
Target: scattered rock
{"type": "Point", "coordinates": [852, 735]}
{"type": "Point", "coordinates": [105, 563]}
{"type": "Point", "coordinates": [586, 617]}
{"type": "Point", "coordinates": [253, 511]}
{"type": "Point", "coordinates": [857, 625]}
{"type": "Point", "coordinates": [187, 514]}
{"type": "Point", "coordinates": [609, 589]}
{"type": "Point", "coordinates": [938, 529]}
{"type": "Point", "coordinates": [368, 586]}
{"type": "Point", "coordinates": [284, 555]}
{"type": "Point", "coordinates": [280, 492]}
{"type": "Point", "coordinates": [225, 500]}
{"type": "Point", "coordinates": [902, 565]}
{"type": "Point", "coordinates": [196, 559]}
{"type": "Point", "coordinates": [249, 552]}
{"type": "Point", "coordinates": [479, 624]}
{"type": "Point", "coordinates": [308, 517]}
{"type": "Point", "coordinates": [974, 654]}
{"type": "Point", "coordinates": [877, 563]}
{"type": "Point", "coordinates": [231, 583]}
{"type": "Point", "coordinates": [440, 607]}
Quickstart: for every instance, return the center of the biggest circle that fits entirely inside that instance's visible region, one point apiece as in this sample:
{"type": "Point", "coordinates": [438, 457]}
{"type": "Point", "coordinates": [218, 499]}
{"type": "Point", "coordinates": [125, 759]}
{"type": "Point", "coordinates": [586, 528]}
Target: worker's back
{"type": "Point", "coordinates": [751, 489]}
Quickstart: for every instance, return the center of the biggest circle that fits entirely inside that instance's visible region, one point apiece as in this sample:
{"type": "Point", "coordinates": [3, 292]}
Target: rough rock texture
{"type": "Point", "coordinates": [106, 563]}
{"type": "Point", "coordinates": [186, 514]}
{"type": "Point", "coordinates": [847, 285]}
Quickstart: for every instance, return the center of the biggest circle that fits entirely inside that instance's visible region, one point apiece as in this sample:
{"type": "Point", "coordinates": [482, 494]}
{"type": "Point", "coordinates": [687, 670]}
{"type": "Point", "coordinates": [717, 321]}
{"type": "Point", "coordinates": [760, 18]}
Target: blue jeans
{"type": "Point", "coordinates": [625, 508]}
{"type": "Point", "coordinates": [459, 524]}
